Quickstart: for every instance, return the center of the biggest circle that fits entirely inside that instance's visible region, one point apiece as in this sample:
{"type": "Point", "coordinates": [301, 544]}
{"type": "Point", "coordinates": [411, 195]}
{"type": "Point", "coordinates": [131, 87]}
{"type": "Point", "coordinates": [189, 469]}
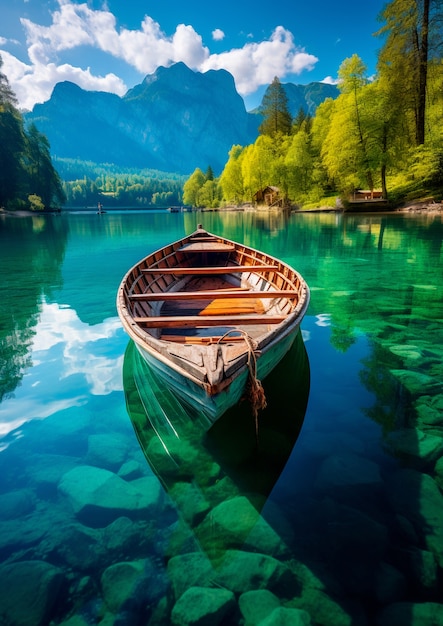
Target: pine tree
{"type": "Point", "coordinates": [277, 118]}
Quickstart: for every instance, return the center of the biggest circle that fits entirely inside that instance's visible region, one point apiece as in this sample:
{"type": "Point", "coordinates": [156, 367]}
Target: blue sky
{"type": "Point", "coordinates": [110, 45]}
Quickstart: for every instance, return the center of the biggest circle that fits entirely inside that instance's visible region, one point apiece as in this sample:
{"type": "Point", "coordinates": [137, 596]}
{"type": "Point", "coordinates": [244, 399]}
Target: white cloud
{"type": "Point", "coordinates": [74, 25]}
{"type": "Point", "coordinates": [328, 80]}
{"type": "Point", "coordinates": [218, 35]}
{"type": "Point", "coordinates": [257, 64]}
{"type": "Point", "coordinates": [34, 83]}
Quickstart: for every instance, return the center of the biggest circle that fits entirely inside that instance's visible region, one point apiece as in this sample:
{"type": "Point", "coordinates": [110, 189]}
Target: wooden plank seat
{"type": "Point", "coordinates": [226, 269]}
{"type": "Point", "coordinates": [179, 321]}
{"type": "Point", "coordinates": [207, 246]}
{"type": "Point", "coordinates": [212, 294]}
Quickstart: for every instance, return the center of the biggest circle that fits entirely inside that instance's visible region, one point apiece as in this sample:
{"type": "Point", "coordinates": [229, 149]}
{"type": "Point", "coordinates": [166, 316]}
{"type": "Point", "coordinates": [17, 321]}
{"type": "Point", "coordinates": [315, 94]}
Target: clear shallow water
{"type": "Point", "coordinates": [350, 531]}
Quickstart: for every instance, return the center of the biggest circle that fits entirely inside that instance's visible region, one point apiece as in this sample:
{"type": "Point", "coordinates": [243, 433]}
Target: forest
{"type": "Point", "coordinates": [383, 132]}
{"type": "Point", "coordinates": [85, 184]}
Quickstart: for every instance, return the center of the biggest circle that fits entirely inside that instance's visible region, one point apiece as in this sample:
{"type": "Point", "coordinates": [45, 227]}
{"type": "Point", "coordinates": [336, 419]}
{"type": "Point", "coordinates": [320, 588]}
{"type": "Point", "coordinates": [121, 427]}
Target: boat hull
{"type": "Point", "coordinates": [214, 406]}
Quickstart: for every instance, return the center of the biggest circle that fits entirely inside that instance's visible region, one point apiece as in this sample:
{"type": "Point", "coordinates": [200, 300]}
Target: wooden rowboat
{"type": "Point", "coordinates": [212, 317]}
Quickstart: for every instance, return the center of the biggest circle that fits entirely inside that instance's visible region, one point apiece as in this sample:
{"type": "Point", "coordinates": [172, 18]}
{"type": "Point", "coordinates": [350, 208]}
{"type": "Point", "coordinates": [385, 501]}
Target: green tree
{"type": "Point", "coordinates": [12, 143]}
{"type": "Point", "coordinates": [300, 164]}
{"type": "Point", "coordinates": [412, 31]}
{"type": "Point", "coordinates": [43, 179]}
{"type": "Point", "coordinates": [231, 179]}
{"type": "Point", "coordinates": [209, 194]}
{"type": "Point", "coordinates": [274, 109]}
{"type": "Point", "coordinates": [192, 187]}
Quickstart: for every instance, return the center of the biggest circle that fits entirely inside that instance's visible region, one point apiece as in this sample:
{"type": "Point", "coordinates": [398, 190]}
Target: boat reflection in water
{"type": "Point", "coordinates": [220, 478]}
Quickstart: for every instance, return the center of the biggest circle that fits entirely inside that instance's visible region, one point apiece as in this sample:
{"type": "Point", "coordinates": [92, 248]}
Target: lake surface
{"type": "Point", "coordinates": [115, 508]}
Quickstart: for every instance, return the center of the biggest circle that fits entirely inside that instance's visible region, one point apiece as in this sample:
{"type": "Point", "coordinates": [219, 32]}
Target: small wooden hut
{"type": "Point", "coordinates": [269, 196]}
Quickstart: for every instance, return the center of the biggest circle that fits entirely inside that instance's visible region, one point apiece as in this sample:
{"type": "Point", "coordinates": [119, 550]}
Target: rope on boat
{"type": "Point", "coordinates": [255, 391]}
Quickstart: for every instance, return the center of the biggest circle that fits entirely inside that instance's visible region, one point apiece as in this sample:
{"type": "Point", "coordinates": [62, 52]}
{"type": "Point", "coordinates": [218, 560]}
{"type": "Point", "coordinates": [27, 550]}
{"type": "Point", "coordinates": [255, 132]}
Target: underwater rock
{"type": "Point", "coordinates": [416, 382]}
{"type": "Point", "coordinates": [19, 534]}
{"type": "Point", "coordinates": [126, 538]}
{"type": "Point", "coordinates": [14, 504]}
{"type": "Point", "coordinates": [98, 496]}
{"type": "Point", "coordinates": [75, 546]}
{"type": "Point", "coordinates": [201, 606]}
{"type": "Point", "coordinates": [322, 444]}
{"type": "Point", "coordinates": [282, 616]}
{"type": "Point", "coordinates": [131, 470]}
{"type": "Point", "coordinates": [46, 471]}
{"type": "Point", "coordinates": [256, 605]}
{"type": "Point", "coordinates": [430, 412]}
{"type": "Point", "coordinates": [414, 444]}
{"type": "Point", "coordinates": [191, 502]}
{"type": "Point", "coordinates": [406, 351]}
{"type": "Point", "coordinates": [119, 581]}
{"type": "Point", "coordinates": [416, 496]}
{"type": "Point", "coordinates": [108, 451]}
{"type": "Point", "coordinates": [412, 614]}
{"type": "Point", "coordinates": [179, 463]}
{"type": "Point", "coordinates": [189, 570]}
{"type": "Point", "coordinates": [29, 592]}
{"type": "Point", "coordinates": [245, 571]}
{"type": "Point", "coordinates": [235, 523]}
{"type": "Point", "coordinates": [347, 470]}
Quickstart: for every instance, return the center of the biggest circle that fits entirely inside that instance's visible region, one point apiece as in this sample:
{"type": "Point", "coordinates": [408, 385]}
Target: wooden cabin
{"type": "Point", "coordinates": [366, 194]}
{"type": "Point", "coordinates": [269, 196]}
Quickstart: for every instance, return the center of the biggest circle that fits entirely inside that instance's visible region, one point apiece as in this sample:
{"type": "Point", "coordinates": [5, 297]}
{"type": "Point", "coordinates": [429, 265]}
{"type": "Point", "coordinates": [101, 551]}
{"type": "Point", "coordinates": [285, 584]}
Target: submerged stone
{"type": "Point", "coordinates": [119, 581]}
{"type": "Point", "coordinates": [347, 470]}
{"type": "Point", "coordinates": [244, 571]}
{"type": "Point", "coordinates": [29, 592]}
{"type": "Point", "coordinates": [203, 606]}
{"type": "Point", "coordinates": [106, 450]}
{"type": "Point", "coordinates": [256, 605]}
{"type": "Point", "coordinates": [189, 570]}
{"type": "Point", "coordinates": [412, 443]}
{"type": "Point", "coordinates": [235, 522]}
{"type": "Point", "coordinates": [416, 382]}
{"type": "Point", "coordinates": [14, 504]}
{"type": "Point", "coordinates": [99, 496]}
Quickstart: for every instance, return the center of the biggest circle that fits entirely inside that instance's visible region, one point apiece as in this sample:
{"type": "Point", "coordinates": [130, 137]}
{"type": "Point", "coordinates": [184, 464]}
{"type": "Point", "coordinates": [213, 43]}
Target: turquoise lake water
{"type": "Point", "coordinates": [117, 509]}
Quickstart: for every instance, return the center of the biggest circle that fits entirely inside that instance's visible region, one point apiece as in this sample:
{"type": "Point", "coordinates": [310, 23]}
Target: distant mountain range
{"type": "Point", "coordinates": [174, 121]}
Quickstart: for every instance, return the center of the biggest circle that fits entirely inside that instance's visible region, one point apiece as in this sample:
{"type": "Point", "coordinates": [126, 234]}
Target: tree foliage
{"type": "Point", "coordinates": [26, 169]}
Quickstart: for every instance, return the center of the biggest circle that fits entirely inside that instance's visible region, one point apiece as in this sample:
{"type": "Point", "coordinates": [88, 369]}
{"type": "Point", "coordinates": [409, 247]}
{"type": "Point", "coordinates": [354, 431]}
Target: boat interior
{"type": "Point", "coordinates": [206, 287]}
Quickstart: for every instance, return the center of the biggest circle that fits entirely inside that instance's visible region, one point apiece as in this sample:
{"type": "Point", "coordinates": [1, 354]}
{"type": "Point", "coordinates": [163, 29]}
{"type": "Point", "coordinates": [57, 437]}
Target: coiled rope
{"type": "Point", "coordinates": [255, 392]}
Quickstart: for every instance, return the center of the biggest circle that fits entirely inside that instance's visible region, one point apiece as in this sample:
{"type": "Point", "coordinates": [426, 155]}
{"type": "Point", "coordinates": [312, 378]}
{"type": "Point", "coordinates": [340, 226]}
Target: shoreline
{"type": "Point", "coordinates": [428, 206]}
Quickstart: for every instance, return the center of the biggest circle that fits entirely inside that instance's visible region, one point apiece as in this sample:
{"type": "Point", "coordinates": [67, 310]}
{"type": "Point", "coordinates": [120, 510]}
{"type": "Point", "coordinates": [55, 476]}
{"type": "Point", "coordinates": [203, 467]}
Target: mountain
{"type": "Point", "coordinates": [306, 97]}
{"type": "Point", "coordinates": [174, 121]}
